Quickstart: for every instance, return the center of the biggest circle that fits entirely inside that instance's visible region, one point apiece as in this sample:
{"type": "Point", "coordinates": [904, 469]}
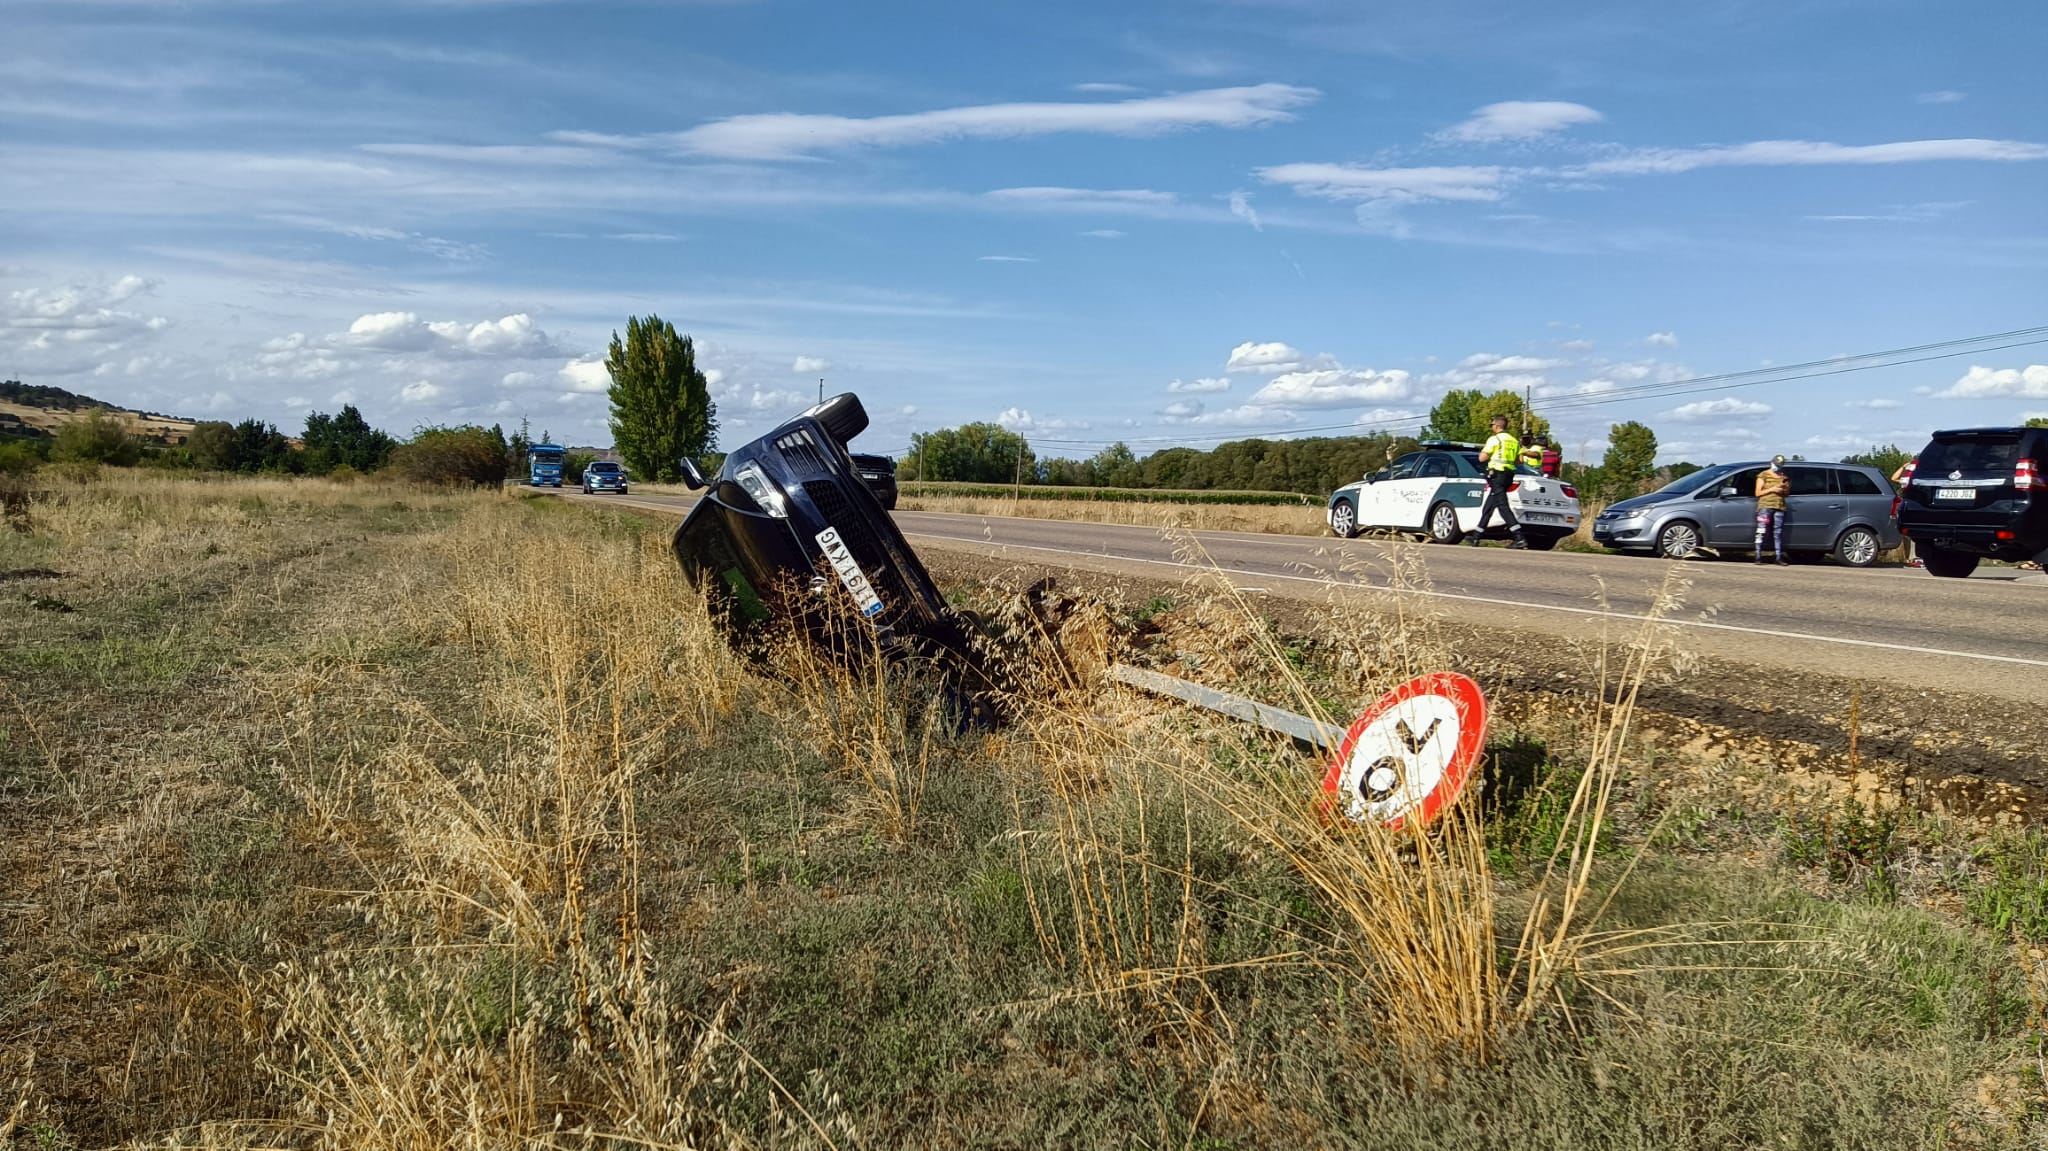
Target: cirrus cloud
{"type": "Point", "coordinates": [785, 136]}
{"type": "Point", "coordinates": [1520, 120]}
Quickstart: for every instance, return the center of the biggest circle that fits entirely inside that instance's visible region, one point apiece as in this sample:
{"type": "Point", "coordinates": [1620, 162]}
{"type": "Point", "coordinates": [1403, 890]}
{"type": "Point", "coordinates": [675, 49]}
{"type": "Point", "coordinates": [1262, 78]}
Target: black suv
{"type": "Point", "coordinates": [880, 474]}
{"type": "Point", "coordinates": [1975, 493]}
{"type": "Point", "coordinates": [789, 532]}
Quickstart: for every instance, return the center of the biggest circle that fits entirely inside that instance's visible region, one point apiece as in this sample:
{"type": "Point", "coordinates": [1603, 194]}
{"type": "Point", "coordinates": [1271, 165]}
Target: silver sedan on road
{"type": "Point", "coordinates": [1841, 509]}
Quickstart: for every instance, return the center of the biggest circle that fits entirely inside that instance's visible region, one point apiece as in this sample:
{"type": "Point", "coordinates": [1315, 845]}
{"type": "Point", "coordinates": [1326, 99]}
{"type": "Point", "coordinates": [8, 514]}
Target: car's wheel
{"type": "Point", "coordinates": [1541, 543]}
{"type": "Point", "coordinates": [1679, 540]}
{"type": "Point", "coordinates": [1948, 564]}
{"type": "Point", "coordinates": [1857, 548]}
{"type": "Point", "coordinates": [842, 415]}
{"type": "Point", "coordinates": [1443, 525]}
{"type": "Point", "coordinates": [1343, 519]}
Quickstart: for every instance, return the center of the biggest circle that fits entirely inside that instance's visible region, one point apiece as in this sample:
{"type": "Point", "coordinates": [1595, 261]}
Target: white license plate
{"type": "Point", "coordinates": [1956, 494]}
{"type": "Point", "coordinates": [856, 581]}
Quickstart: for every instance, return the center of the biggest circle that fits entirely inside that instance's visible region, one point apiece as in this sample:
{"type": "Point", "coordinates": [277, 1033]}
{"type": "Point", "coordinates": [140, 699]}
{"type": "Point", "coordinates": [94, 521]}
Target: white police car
{"type": "Point", "coordinates": [1438, 490]}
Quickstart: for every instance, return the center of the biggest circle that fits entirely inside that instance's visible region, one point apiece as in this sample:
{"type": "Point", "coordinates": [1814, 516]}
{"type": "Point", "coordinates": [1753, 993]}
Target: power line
{"type": "Point", "coordinates": [1664, 389]}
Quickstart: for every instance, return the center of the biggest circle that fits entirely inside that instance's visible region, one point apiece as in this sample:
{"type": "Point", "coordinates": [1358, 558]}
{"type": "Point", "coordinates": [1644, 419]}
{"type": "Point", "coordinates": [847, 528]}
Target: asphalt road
{"type": "Point", "coordinates": [1984, 635]}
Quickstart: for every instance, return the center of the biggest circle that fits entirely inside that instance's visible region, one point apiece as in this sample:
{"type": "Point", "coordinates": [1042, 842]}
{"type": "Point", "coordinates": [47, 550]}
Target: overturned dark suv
{"type": "Point", "coordinates": [1977, 493]}
{"type": "Point", "coordinates": [789, 532]}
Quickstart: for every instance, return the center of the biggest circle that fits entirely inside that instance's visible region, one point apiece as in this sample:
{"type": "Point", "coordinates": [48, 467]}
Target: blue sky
{"type": "Point", "coordinates": [1156, 222]}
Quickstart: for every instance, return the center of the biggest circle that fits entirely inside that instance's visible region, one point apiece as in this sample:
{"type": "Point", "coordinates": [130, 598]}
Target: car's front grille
{"type": "Point", "coordinates": [853, 529]}
{"type": "Point", "coordinates": [802, 454]}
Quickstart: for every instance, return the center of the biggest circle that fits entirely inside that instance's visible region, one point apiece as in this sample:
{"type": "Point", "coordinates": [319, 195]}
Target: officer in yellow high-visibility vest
{"type": "Point", "coordinates": [1499, 456]}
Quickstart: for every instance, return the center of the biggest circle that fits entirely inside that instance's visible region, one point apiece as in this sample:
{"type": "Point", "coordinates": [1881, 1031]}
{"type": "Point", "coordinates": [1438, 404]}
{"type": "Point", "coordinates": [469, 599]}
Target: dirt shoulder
{"type": "Point", "coordinates": [1942, 750]}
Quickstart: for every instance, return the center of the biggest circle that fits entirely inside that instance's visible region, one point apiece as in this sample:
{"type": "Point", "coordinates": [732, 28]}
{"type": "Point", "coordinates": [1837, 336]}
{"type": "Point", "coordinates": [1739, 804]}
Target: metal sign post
{"type": "Point", "coordinates": [1409, 754]}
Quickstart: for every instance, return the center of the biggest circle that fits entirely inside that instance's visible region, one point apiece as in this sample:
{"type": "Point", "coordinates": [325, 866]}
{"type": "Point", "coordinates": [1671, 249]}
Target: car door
{"type": "Point", "coordinates": [1730, 520]}
{"type": "Point", "coordinates": [1412, 497]}
{"type": "Point", "coordinates": [1379, 499]}
{"type": "Point", "coordinates": [1813, 508]}
{"type": "Point", "coordinates": [1865, 500]}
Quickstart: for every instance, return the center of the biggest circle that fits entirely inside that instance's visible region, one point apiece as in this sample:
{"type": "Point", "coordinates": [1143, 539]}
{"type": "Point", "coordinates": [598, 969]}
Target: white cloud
{"type": "Point", "coordinates": [1942, 96]}
{"type": "Point", "coordinates": [784, 136]}
{"type": "Point", "coordinates": [1878, 403]}
{"type": "Point", "coordinates": [1107, 89]}
{"type": "Point", "coordinates": [806, 365]}
{"type": "Point", "coordinates": [1204, 386]}
{"type": "Point", "coordinates": [1984, 383]}
{"type": "Point", "coordinates": [1247, 416]}
{"type": "Point", "coordinates": [1726, 408]}
{"type": "Point", "coordinates": [1008, 259]}
{"type": "Point", "coordinates": [1486, 363]}
{"type": "Point", "coordinates": [1121, 201]}
{"type": "Point", "coordinates": [1520, 120]}
{"type": "Point", "coordinates": [1399, 185]}
{"type": "Point", "coordinates": [1662, 339]}
{"type": "Point", "coordinates": [1775, 153]}
{"type": "Point", "coordinates": [1241, 207]}
{"type": "Point", "coordinates": [1105, 234]}
{"type": "Point", "coordinates": [1181, 410]}
{"type": "Point", "coordinates": [1332, 388]}
{"type": "Point", "coordinates": [518, 379]}
{"type": "Point", "coordinates": [1271, 358]}
{"type": "Point", "coordinates": [1021, 420]}
{"type": "Point", "coordinates": [1577, 345]}
{"type": "Point", "coordinates": [420, 392]}
{"type": "Point", "coordinates": [585, 375]}
{"type": "Point", "coordinates": [514, 336]}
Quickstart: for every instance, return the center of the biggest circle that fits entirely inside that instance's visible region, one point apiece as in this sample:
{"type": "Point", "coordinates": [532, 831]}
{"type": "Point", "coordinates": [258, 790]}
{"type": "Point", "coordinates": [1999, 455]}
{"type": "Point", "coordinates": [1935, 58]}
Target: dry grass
{"type": "Point", "coordinates": [1299, 521]}
{"type": "Point", "coordinates": [352, 817]}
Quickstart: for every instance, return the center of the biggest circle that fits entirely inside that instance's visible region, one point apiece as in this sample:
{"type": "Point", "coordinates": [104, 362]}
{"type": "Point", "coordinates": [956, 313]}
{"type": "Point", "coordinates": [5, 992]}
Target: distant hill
{"type": "Point", "coordinates": [35, 411]}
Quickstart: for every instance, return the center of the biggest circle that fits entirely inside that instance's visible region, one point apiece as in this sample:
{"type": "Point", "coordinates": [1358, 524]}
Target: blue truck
{"type": "Point", "coordinates": [544, 465]}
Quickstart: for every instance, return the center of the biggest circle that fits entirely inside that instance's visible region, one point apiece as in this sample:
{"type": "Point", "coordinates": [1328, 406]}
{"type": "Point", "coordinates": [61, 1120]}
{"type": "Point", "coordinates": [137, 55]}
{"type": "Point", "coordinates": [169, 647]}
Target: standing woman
{"type": "Point", "coordinates": [1899, 477]}
{"type": "Point", "coordinates": [1772, 486]}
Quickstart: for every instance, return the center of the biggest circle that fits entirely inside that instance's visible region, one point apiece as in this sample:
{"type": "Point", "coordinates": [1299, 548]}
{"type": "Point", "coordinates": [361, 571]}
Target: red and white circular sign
{"type": "Point", "coordinates": [1410, 752]}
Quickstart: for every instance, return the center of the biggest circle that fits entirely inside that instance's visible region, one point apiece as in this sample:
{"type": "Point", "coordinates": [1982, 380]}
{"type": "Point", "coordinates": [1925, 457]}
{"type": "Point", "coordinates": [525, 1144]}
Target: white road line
{"type": "Point", "coordinates": [1463, 598]}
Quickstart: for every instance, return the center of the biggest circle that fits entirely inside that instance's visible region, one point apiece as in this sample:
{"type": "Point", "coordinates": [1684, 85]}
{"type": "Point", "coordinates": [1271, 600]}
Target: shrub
{"type": "Point", "coordinates": [19, 457]}
{"type": "Point", "coordinates": [466, 456]}
{"type": "Point", "coordinates": [97, 438]}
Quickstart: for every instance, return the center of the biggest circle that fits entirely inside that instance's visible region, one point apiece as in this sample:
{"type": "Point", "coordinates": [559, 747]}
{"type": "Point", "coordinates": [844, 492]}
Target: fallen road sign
{"type": "Point", "coordinates": [1411, 751]}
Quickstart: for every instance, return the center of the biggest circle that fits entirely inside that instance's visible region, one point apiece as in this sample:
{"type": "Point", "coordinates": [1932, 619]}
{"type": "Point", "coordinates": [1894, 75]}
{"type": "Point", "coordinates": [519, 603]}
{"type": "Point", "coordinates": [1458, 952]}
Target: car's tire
{"type": "Point", "coordinates": [1541, 543]}
{"type": "Point", "coordinates": [1343, 519]}
{"type": "Point", "coordinates": [1858, 547]}
{"type": "Point", "coordinates": [1948, 564]}
{"type": "Point", "coordinates": [1678, 540]}
{"type": "Point", "coordinates": [1442, 524]}
{"type": "Point", "coordinates": [842, 415]}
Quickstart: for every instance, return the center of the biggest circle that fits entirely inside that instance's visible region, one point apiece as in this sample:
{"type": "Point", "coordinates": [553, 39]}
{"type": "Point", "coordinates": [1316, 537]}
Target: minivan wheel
{"type": "Point", "coordinates": [1679, 540]}
{"type": "Point", "coordinates": [1948, 564]}
{"type": "Point", "coordinates": [1857, 548]}
{"type": "Point", "coordinates": [1443, 525]}
{"type": "Point", "coordinates": [1343, 519]}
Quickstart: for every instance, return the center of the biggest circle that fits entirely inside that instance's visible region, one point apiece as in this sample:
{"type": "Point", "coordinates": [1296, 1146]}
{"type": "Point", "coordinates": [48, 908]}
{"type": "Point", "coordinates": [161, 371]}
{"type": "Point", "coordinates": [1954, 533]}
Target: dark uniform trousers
{"type": "Point", "coordinates": [1497, 481]}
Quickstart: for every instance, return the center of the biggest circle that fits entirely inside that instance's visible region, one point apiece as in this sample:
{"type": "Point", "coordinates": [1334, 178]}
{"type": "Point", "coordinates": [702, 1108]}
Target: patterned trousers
{"type": "Point", "coordinates": [1771, 521]}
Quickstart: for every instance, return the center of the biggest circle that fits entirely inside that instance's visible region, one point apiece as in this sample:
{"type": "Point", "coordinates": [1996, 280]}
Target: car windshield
{"type": "Point", "coordinates": [1969, 454]}
{"type": "Point", "coordinates": [603, 467]}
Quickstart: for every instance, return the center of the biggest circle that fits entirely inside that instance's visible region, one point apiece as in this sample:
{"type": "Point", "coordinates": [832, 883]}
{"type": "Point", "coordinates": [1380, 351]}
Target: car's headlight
{"type": "Point", "coordinates": [765, 494]}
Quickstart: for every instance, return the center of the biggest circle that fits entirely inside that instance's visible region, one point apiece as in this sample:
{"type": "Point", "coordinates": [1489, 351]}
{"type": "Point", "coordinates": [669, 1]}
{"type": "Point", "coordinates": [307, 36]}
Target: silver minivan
{"type": "Point", "coordinates": [1841, 509]}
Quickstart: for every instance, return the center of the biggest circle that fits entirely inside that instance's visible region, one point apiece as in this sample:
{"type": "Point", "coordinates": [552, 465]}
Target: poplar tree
{"type": "Point", "coordinates": [661, 402]}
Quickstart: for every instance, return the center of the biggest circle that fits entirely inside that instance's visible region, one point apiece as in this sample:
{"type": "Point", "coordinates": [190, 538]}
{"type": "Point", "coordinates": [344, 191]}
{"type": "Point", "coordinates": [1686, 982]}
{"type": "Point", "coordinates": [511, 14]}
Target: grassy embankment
{"type": "Point", "coordinates": [359, 817]}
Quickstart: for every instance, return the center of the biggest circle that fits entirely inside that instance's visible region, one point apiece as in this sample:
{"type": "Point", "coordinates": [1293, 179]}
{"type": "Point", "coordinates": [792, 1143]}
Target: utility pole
{"type": "Point", "coordinates": [1527, 399]}
{"type": "Point", "coordinates": [821, 389]}
{"type": "Point", "coordinates": [1018, 491]}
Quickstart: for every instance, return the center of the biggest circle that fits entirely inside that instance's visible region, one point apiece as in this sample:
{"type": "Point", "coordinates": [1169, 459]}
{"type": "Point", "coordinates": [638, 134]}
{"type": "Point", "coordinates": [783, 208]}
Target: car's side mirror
{"type": "Point", "coordinates": [1729, 492]}
{"type": "Point", "coordinates": [693, 476]}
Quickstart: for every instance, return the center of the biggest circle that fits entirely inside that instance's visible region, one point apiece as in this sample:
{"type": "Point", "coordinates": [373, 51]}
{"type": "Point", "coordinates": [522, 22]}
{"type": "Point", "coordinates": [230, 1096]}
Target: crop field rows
{"type": "Point", "coordinates": [351, 815]}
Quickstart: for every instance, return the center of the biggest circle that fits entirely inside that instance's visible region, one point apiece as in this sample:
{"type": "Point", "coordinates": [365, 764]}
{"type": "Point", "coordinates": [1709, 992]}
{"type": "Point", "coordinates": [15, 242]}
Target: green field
{"type": "Point", "coordinates": [941, 489]}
